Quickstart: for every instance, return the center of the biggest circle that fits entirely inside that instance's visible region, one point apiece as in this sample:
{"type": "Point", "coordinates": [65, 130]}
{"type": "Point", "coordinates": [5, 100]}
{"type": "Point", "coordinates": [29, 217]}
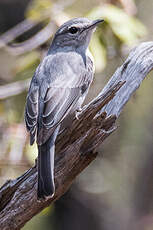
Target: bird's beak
{"type": "Point", "coordinates": [94, 24]}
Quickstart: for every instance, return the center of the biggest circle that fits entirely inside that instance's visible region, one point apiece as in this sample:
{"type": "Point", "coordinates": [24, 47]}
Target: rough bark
{"type": "Point", "coordinates": [76, 148]}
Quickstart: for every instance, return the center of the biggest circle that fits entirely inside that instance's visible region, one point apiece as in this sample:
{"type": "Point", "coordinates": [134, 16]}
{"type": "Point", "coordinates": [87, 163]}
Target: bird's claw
{"type": "Point", "coordinates": [77, 113]}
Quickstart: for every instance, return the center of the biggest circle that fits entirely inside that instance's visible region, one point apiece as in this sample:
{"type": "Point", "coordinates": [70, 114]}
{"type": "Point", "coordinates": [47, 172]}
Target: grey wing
{"type": "Point", "coordinates": [57, 95]}
{"type": "Point", "coordinates": [31, 112]}
{"type": "Point", "coordinates": [58, 102]}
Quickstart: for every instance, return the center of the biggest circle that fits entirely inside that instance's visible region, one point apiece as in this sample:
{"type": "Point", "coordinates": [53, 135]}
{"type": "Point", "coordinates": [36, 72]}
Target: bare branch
{"type": "Point", "coordinates": [16, 31]}
{"type": "Point", "coordinates": [40, 38]}
{"type": "Point", "coordinates": [14, 88]}
{"type": "Point", "coordinates": [75, 148]}
{"type": "Point", "coordinates": [129, 6]}
{"type": "Point", "coordinates": [28, 24]}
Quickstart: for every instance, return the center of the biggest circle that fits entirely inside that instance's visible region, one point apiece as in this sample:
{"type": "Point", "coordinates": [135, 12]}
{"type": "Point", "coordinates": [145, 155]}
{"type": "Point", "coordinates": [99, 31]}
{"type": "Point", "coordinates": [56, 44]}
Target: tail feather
{"type": "Point", "coordinates": [46, 152]}
{"type": "Point", "coordinates": [46, 185]}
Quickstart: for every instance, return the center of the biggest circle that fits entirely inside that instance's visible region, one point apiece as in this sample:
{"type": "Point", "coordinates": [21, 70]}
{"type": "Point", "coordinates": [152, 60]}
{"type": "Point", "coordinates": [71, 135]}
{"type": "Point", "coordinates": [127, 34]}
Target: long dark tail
{"type": "Point", "coordinates": [46, 152]}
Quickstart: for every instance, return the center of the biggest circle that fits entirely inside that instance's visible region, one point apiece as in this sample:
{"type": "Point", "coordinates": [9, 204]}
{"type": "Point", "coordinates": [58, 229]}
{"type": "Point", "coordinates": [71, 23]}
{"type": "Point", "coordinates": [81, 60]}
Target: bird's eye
{"type": "Point", "coordinates": [73, 30]}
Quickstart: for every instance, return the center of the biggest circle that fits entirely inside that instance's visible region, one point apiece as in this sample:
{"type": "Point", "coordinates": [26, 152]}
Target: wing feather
{"type": "Point", "coordinates": [31, 113]}
{"type": "Point", "coordinates": [61, 101]}
{"type": "Point", "coordinates": [53, 94]}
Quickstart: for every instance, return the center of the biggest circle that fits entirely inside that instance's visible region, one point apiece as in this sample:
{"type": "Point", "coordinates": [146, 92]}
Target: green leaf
{"type": "Point", "coordinates": [27, 61]}
{"type": "Point", "coordinates": [99, 53]}
{"type": "Point", "coordinates": [127, 28]}
{"type": "Point", "coordinates": [37, 9]}
{"type": "Point", "coordinates": [31, 153]}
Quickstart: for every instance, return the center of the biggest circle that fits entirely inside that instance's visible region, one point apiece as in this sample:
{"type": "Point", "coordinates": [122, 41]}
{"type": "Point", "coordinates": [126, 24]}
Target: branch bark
{"type": "Point", "coordinates": [75, 148]}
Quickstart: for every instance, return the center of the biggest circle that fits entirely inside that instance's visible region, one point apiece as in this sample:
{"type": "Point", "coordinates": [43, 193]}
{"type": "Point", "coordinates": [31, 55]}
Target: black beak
{"type": "Point", "coordinates": [95, 23]}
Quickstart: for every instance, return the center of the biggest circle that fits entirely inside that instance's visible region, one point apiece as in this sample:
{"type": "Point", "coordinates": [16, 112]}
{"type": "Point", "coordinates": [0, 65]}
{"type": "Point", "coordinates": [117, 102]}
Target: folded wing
{"type": "Point", "coordinates": [57, 104]}
{"type": "Point", "coordinates": [31, 113]}
{"type": "Point", "coordinates": [52, 95]}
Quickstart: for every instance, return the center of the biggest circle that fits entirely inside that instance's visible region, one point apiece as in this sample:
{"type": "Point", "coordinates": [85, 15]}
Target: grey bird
{"type": "Point", "coordinates": [57, 90]}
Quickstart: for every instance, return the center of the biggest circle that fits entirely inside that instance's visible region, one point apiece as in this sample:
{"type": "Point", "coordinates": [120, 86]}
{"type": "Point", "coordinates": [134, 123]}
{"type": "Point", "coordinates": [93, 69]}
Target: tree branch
{"type": "Point", "coordinates": [13, 89]}
{"type": "Point", "coordinates": [75, 148]}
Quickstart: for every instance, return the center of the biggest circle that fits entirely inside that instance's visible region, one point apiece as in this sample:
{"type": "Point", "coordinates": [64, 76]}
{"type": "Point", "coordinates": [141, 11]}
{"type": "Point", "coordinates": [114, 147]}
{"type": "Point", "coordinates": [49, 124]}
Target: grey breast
{"type": "Point", "coordinates": [88, 77]}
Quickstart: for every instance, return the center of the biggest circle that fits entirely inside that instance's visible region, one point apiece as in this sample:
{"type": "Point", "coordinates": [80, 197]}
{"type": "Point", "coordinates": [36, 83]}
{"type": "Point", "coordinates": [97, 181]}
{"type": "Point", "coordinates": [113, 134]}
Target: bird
{"type": "Point", "coordinates": [57, 91]}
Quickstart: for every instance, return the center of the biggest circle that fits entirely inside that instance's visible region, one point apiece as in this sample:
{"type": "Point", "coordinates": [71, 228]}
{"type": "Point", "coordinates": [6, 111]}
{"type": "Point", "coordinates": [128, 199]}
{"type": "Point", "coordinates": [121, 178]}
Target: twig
{"type": "Point", "coordinates": [129, 6]}
{"type": "Point", "coordinates": [40, 38]}
{"type": "Point", "coordinates": [16, 31]}
{"type": "Point", "coordinates": [28, 24]}
{"type": "Point", "coordinates": [14, 88]}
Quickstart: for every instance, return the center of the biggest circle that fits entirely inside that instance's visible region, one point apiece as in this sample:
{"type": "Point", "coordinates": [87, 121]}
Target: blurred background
{"type": "Point", "coordinates": [116, 190]}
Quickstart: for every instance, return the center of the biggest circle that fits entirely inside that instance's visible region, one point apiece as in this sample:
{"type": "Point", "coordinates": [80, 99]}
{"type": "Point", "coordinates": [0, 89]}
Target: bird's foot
{"type": "Point", "coordinates": [77, 113]}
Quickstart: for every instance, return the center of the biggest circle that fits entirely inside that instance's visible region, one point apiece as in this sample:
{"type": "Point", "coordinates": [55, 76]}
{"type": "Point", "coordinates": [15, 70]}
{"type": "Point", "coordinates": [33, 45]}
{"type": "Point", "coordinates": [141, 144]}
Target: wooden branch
{"type": "Point", "coordinates": [75, 148]}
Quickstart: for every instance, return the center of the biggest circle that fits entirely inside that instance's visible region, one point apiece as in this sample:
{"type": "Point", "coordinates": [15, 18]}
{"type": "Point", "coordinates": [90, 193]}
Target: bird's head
{"type": "Point", "coordinates": [75, 33]}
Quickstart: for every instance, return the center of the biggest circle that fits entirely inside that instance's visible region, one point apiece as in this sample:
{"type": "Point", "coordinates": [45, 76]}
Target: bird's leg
{"type": "Point", "coordinates": [77, 112]}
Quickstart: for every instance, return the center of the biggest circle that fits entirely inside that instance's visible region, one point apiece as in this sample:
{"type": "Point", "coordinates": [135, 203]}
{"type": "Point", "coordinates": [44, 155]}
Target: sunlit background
{"type": "Point", "coordinates": [116, 190]}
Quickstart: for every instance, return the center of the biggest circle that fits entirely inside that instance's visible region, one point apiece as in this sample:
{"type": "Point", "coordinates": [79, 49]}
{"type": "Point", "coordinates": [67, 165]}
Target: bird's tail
{"type": "Point", "coordinates": [46, 152]}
